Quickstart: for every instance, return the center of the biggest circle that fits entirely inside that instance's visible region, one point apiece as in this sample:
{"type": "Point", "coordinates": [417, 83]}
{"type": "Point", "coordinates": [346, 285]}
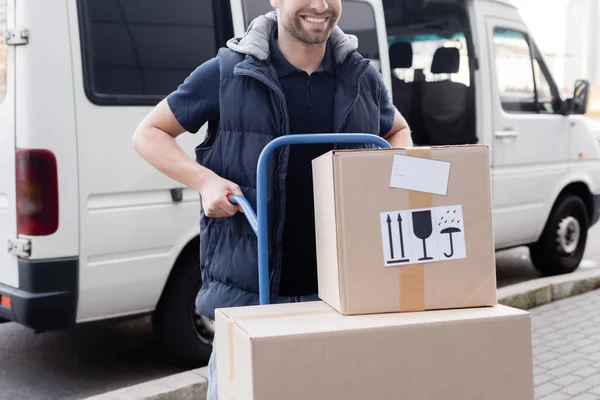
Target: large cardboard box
{"type": "Point", "coordinates": [404, 229]}
{"type": "Point", "coordinates": [310, 351]}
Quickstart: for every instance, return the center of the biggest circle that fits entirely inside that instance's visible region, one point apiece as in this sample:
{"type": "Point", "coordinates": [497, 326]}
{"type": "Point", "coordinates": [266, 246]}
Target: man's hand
{"type": "Point", "coordinates": [399, 135]}
{"type": "Point", "coordinates": [214, 193]}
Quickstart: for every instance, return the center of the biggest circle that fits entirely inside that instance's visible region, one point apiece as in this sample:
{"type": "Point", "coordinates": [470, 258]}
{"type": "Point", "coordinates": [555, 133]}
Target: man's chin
{"type": "Point", "coordinates": [316, 40]}
{"type": "Point", "coordinates": [315, 37]}
{"type": "Point", "coordinates": [309, 36]}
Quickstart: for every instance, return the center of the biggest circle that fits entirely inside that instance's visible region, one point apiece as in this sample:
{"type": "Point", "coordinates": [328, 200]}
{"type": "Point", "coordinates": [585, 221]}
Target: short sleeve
{"type": "Point", "coordinates": [196, 100]}
{"type": "Point", "coordinates": [387, 111]}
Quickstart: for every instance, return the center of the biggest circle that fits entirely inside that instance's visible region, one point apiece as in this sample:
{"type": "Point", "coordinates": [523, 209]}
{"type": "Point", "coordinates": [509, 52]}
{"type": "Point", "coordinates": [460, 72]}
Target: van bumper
{"type": "Point", "coordinates": [596, 214]}
{"type": "Point", "coordinates": [47, 295]}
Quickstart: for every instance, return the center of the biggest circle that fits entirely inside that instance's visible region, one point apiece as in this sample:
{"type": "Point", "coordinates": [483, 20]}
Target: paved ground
{"type": "Point", "coordinates": [514, 266]}
{"type": "Point", "coordinates": [93, 360]}
{"type": "Point", "coordinates": [566, 339]}
{"type": "Point", "coordinates": [78, 364]}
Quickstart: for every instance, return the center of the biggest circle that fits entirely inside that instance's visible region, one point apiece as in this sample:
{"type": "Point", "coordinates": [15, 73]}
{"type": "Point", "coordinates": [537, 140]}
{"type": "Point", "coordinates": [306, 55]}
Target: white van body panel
{"type": "Point", "coordinates": [237, 16]}
{"type": "Point", "coordinates": [527, 168]}
{"type": "Point", "coordinates": [131, 230]}
{"type": "Point", "coordinates": [384, 58]}
{"type": "Point", "coordinates": [9, 274]}
{"type": "Point", "coordinates": [585, 151]}
{"type": "Point", "coordinates": [483, 103]}
{"type": "Point", "coordinates": [45, 113]}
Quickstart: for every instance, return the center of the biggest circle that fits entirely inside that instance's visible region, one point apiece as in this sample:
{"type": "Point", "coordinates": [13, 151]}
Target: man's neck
{"type": "Point", "coordinates": [307, 57]}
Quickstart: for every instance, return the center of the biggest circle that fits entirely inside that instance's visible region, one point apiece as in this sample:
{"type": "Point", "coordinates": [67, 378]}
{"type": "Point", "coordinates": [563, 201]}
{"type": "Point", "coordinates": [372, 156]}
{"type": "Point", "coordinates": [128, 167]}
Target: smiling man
{"type": "Point", "coordinates": [293, 71]}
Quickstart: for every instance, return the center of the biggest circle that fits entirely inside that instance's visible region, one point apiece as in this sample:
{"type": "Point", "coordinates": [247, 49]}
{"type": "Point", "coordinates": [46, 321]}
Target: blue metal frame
{"type": "Point", "coordinates": [259, 222]}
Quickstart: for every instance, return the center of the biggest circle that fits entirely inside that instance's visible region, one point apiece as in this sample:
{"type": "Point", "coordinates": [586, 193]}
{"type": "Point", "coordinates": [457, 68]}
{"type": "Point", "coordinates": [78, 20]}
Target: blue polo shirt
{"type": "Point", "coordinates": [310, 107]}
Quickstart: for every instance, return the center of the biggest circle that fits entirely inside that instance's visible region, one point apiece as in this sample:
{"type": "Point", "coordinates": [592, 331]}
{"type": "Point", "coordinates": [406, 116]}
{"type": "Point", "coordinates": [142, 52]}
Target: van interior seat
{"type": "Point", "coordinates": [401, 57]}
{"type": "Point", "coordinates": [444, 102]}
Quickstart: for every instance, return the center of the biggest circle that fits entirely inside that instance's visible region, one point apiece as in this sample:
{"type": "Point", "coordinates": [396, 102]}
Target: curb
{"type": "Point", "coordinates": [192, 385]}
{"type": "Point", "coordinates": [542, 291]}
{"type": "Point", "coordinates": [189, 385]}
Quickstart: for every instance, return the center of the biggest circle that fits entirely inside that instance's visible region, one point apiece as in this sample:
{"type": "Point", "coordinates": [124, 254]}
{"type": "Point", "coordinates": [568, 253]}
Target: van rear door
{"type": "Point", "coordinates": [8, 214]}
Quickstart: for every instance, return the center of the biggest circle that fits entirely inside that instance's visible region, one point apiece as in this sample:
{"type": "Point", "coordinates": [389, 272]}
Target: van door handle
{"type": "Point", "coordinates": [176, 194]}
{"type": "Point", "coordinates": [507, 134]}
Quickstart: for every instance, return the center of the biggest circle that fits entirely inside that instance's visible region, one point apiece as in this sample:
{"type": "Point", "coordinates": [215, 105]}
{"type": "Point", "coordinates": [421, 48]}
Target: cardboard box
{"type": "Point", "coordinates": [404, 229]}
{"type": "Point", "coordinates": [310, 351]}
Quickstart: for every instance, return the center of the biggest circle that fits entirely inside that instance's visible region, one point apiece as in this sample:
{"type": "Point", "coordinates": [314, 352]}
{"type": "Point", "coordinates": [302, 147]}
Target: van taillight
{"type": "Point", "coordinates": [37, 192]}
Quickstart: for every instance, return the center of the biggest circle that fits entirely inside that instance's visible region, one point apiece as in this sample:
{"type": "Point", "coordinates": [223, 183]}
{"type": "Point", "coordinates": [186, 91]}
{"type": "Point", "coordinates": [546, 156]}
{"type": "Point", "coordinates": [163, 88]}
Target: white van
{"type": "Point", "coordinates": [95, 233]}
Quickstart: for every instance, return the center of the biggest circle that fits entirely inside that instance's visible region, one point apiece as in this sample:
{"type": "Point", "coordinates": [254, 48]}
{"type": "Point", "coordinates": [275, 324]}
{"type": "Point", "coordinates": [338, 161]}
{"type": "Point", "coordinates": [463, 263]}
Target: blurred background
{"type": "Point", "coordinates": [567, 32]}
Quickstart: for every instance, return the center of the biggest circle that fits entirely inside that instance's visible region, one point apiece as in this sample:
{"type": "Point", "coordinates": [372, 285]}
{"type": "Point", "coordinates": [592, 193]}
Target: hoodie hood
{"type": "Point", "coordinates": [255, 41]}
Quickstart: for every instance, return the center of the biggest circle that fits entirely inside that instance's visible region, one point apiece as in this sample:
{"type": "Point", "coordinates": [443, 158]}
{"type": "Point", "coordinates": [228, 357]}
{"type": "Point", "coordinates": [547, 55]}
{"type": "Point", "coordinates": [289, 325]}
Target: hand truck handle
{"type": "Point", "coordinates": [259, 222]}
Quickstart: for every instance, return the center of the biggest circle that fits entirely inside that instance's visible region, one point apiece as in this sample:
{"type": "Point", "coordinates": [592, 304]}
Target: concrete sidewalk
{"type": "Point", "coordinates": [566, 340]}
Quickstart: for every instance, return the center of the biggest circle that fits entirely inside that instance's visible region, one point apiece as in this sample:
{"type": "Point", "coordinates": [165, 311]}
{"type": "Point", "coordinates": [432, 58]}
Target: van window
{"type": "Point", "coordinates": [3, 66]}
{"type": "Point", "coordinates": [524, 87]}
{"type": "Point", "coordinates": [136, 52]}
{"type": "Point", "coordinates": [424, 48]}
{"type": "Point", "coordinates": [358, 18]}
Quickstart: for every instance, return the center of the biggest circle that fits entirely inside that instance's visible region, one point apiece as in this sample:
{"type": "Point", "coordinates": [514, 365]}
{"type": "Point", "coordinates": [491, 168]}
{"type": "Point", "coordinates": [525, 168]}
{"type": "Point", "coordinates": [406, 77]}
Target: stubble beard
{"type": "Point", "coordinates": [294, 27]}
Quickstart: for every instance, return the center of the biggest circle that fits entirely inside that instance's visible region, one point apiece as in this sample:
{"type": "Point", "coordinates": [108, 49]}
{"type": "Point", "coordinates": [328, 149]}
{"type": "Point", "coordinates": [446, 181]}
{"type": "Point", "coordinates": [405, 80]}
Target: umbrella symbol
{"type": "Point", "coordinates": [450, 231]}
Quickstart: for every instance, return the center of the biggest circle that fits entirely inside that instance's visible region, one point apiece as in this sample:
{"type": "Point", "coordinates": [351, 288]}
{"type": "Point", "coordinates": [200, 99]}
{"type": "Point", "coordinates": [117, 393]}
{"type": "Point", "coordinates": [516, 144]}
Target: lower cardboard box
{"type": "Point", "coordinates": [310, 351]}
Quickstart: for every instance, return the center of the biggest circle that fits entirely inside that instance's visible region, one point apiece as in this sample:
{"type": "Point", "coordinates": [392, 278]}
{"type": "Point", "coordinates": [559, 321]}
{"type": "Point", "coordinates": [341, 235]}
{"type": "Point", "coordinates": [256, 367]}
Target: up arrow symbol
{"type": "Point", "coordinates": [389, 224]}
{"type": "Point", "coordinates": [401, 236]}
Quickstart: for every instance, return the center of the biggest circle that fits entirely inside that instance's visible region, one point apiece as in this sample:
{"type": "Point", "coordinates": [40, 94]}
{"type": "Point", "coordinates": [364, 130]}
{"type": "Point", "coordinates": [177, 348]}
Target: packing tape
{"type": "Point", "coordinates": [412, 277]}
{"type": "Point", "coordinates": [233, 320]}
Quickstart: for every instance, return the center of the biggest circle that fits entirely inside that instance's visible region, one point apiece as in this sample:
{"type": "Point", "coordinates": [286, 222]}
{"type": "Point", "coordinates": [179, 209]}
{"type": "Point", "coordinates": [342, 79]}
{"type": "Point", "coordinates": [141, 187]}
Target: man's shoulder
{"type": "Point", "coordinates": [229, 57]}
{"type": "Point", "coordinates": [372, 74]}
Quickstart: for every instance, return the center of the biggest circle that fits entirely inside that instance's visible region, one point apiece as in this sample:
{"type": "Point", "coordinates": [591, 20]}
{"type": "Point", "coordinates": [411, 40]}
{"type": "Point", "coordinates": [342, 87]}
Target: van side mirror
{"type": "Point", "coordinates": [581, 96]}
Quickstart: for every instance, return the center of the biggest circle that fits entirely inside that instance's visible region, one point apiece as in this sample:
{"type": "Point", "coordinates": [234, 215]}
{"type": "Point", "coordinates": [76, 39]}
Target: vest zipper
{"type": "Point", "coordinates": [343, 121]}
{"type": "Point", "coordinates": [274, 258]}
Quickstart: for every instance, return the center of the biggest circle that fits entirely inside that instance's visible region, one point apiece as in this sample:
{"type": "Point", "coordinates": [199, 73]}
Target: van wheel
{"type": "Point", "coordinates": [185, 335]}
{"type": "Point", "coordinates": [562, 244]}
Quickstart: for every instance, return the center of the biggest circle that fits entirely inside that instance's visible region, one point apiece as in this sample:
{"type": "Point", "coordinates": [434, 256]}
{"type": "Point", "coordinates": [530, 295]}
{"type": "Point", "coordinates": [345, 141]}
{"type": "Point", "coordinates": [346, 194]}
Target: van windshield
{"type": "Point", "coordinates": [3, 12]}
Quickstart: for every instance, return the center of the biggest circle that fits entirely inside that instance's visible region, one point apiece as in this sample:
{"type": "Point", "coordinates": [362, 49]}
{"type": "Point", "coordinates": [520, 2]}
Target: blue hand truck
{"type": "Point", "coordinates": [258, 222]}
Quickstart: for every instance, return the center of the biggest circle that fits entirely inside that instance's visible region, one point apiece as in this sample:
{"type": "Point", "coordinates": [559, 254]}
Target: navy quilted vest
{"type": "Point", "coordinates": [253, 112]}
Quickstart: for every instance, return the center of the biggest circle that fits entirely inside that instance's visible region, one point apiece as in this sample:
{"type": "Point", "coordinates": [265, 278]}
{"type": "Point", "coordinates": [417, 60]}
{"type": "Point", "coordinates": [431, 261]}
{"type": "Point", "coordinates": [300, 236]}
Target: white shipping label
{"type": "Point", "coordinates": [420, 174]}
{"type": "Point", "coordinates": [423, 235]}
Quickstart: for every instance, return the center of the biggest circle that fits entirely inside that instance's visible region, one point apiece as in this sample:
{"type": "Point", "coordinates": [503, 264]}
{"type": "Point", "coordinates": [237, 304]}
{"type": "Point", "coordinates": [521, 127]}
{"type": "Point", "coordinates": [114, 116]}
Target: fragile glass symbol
{"type": "Point", "coordinates": [423, 228]}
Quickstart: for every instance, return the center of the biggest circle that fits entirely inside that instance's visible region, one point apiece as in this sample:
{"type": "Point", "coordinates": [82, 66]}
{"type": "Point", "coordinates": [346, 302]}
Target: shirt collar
{"type": "Point", "coordinates": [283, 66]}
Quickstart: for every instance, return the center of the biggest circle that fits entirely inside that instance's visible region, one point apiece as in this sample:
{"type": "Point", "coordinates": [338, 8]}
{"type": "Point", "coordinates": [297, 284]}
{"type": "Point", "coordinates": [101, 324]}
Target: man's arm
{"type": "Point", "coordinates": [154, 140]}
{"type": "Point", "coordinates": [399, 135]}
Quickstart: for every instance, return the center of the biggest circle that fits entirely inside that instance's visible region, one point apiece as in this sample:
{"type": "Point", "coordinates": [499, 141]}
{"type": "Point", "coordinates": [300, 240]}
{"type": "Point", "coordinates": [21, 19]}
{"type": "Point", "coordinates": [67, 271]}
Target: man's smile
{"type": "Point", "coordinates": [318, 21]}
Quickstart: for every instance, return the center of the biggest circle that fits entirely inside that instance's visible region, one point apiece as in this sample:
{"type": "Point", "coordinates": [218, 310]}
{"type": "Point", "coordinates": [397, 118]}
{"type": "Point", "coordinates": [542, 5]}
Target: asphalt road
{"type": "Point", "coordinates": [96, 359]}
{"type": "Point", "coordinates": [514, 266]}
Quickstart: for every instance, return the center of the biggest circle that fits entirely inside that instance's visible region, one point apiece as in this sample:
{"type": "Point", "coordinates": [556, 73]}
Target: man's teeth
{"type": "Point", "coordinates": [316, 20]}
